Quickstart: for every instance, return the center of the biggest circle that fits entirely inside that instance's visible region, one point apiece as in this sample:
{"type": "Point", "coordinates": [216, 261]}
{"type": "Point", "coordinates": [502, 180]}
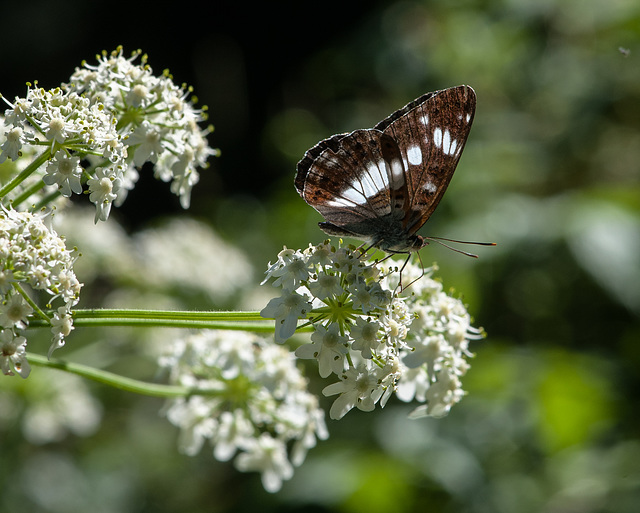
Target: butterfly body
{"type": "Point", "coordinates": [382, 184]}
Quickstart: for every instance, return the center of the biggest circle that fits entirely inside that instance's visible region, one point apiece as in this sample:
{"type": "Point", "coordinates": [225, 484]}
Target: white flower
{"type": "Point", "coordinates": [328, 347]}
{"type": "Point", "coordinates": [103, 188]}
{"type": "Point", "coordinates": [290, 269]}
{"type": "Point", "coordinates": [13, 354]}
{"type": "Point", "coordinates": [68, 286]}
{"type": "Point", "coordinates": [396, 322]}
{"type": "Point", "coordinates": [234, 431]}
{"type": "Point", "coordinates": [375, 340]}
{"type": "Point", "coordinates": [267, 455]}
{"type": "Point", "coordinates": [128, 181]}
{"type": "Point", "coordinates": [365, 337]}
{"type": "Point", "coordinates": [61, 326]}
{"type": "Point", "coordinates": [326, 285]}
{"type": "Point", "coordinates": [158, 121]}
{"type": "Point", "coordinates": [64, 171]}
{"type": "Point", "coordinates": [148, 143]}
{"type": "Point", "coordinates": [292, 272]}
{"type": "Point", "coordinates": [286, 310]}
{"type": "Point", "coordinates": [182, 185]}
{"type": "Point", "coordinates": [101, 113]}
{"type": "Point", "coordinates": [322, 254]}
{"type": "Point", "coordinates": [38, 259]}
{"type": "Point", "coordinates": [248, 399]}
{"type": "Point", "coordinates": [40, 276]}
{"type": "Point", "coordinates": [138, 95]}
{"type": "Point", "coordinates": [14, 311]}
{"type": "Point", "coordinates": [194, 418]}
{"type": "Point", "coordinates": [428, 351]}
{"type": "Point", "coordinates": [196, 249]}
{"type": "Point", "coordinates": [56, 130]}
{"type": "Point", "coordinates": [78, 132]}
{"type": "Point", "coordinates": [6, 279]}
{"type": "Point", "coordinates": [359, 387]}
{"type": "Point", "coordinates": [12, 145]}
{"type": "Point", "coordinates": [61, 407]}
{"type": "Point", "coordinates": [311, 431]}
{"type": "Point", "coordinates": [362, 298]}
{"type": "Point", "coordinates": [19, 110]}
{"type": "Point", "coordinates": [440, 396]}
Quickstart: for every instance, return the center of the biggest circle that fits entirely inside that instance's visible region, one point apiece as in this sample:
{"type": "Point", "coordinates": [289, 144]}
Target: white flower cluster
{"type": "Point", "coordinates": [163, 123]}
{"type": "Point", "coordinates": [433, 358]}
{"type": "Point", "coordinates": [32, 254]}
{"type": "Point", "coordinates": [174, 255]}
{"type": "Point", "coordinates": [108, 120]}
{"type": "Point", "coordinates": [72, 128]}
{"type": "Point", "coordinates": [375, 340]}
{"type": "Point", "coordinates": [254, 403]}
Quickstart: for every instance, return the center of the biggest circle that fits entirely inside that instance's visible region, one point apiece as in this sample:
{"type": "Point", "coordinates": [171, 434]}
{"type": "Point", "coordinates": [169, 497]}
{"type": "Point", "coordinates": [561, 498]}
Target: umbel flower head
{"type": "Point", "coordinates": [32, 256]}
{"type": "Point", "coordinates": [71, 129]}
{"type": "Point", "coordinates": [374, 338]}
{"type": "Point", "coordinates": [158, 121]}
{"type": "Point", "coordinates": [107, 121]}
{"type": "Point", "coordinates": [254, 404]}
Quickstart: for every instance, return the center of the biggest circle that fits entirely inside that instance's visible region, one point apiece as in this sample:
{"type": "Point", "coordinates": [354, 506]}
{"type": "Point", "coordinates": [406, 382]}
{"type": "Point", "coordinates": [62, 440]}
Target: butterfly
{"type": "Point", "coordinates": [381, 184]}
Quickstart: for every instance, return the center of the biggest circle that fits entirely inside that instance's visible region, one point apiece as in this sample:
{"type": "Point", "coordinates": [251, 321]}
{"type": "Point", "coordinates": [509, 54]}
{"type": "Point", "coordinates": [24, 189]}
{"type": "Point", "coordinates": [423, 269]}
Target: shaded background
{"type": "Point", "coordinates": [550, 172]}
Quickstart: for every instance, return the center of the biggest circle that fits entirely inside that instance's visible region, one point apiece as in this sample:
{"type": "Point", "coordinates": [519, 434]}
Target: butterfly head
{"type": "Point", "coordinates": [380, 233]}
{"type": "Point", "coordinates": [407, 244]}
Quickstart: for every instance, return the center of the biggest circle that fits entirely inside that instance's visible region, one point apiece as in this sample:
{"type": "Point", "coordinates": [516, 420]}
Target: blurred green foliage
{"type": "Point", "coordinates": [551, 172]}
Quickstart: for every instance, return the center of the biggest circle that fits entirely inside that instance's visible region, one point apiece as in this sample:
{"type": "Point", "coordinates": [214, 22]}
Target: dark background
{"type": "Point", "coordinates": [551, 173]}
{"type": "Point", "coordinates": [246, 65]}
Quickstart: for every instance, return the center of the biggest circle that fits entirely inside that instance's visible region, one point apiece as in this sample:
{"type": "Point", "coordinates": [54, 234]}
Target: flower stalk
{"type": "Point", "coordinates": [111, 379]}
{"type": "Point", "coordinates": [231, 320]}
{"type": "Point", "coordinates": [24, 174]}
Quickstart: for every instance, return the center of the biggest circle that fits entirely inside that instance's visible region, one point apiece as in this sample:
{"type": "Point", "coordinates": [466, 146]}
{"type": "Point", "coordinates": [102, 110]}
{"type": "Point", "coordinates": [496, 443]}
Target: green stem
{"type": "Point", "coordinates": [116, 381]}
{"type": "Point", "coordinates": [45, 318]}
{"type": "Point", "coordinates": [245, 321]}
{"type": "Point", "coordinates": [27, 193]}
{"type": "Point", "coordinates": [223, 320]}
{"type": "Point", "coordinates": [126, 313]}
{"type": "Point", "coordinates": [26, 172]}
{"type": "Point", "coordinates": [171, 323]}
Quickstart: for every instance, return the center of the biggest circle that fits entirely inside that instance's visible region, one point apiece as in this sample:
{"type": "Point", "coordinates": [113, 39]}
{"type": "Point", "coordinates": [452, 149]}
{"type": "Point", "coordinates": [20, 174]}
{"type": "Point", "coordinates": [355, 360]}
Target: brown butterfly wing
{"type": "Point", "coordinates": [382, 184]}
{"type": "Point", "coordinates": [430, 132]}
{"type": "Point", "coordinates": [349, 179]}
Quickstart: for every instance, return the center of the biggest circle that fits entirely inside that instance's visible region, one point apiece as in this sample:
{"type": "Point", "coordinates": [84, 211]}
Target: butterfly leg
{"type": "Point", "coordinates": [405, 264]}
{"type": "Point", "coordinates": [363, 252]}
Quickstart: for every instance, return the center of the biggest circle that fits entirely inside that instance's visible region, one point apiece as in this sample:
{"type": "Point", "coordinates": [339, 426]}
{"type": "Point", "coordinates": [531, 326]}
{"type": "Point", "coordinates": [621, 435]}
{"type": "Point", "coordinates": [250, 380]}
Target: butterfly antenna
{"type": "Point", "coordinates": [472, 255]}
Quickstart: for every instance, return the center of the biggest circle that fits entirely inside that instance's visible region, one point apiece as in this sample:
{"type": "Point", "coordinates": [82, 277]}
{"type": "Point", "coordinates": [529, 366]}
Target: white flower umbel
{"type": "Point", "coordinates": [255, 404]}
{"type": "Point", "coordinates": [71, 128]}
{"type": "Point", "coordinates": [436, 347]}
{"type": "Point", "coordinates": [61, 407]}
{"type": "Point", "coordinates": [32, 256]}
{"type": "Point", "coordinates": [96, 128]}
{"type": "Point", "coordinates": [375, 338]}
{"type": "Point", "coordinates": [158, 121]}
